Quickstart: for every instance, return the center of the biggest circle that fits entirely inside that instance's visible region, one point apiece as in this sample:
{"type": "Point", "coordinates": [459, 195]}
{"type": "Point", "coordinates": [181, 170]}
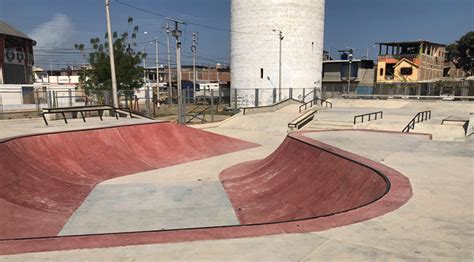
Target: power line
{"type": "Point", "coordinates": [188, 22]}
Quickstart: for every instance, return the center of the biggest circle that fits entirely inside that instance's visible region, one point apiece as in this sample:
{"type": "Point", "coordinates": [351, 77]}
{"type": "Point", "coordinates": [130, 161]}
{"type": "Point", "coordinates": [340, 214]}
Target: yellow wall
{"type": "Point", "coordinates": [402, 78]}
{"type": "Point", "coordinates": [398, 77]}
{"type": "Point", "coordinates": [381, 78]}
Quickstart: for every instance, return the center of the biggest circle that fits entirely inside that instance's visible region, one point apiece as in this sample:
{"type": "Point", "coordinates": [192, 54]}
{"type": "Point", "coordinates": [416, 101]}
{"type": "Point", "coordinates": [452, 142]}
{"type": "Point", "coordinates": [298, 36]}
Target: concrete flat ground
{"type": "Point", "coordinates": [435, 224]}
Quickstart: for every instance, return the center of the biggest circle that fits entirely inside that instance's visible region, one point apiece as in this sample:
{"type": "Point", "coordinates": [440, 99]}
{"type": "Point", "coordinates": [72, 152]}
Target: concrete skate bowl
{"type": "Point", "coordinates": [302, 180]}
{"type": "Point", "coordinates": [45, 178]}
{"type": "Point", "coordinates": [304, 186]}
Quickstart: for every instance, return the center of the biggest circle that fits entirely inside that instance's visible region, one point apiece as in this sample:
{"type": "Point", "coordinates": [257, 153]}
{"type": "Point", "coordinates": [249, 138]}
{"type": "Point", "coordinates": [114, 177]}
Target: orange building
{"type": "Point", "coordinates": [410, 62]}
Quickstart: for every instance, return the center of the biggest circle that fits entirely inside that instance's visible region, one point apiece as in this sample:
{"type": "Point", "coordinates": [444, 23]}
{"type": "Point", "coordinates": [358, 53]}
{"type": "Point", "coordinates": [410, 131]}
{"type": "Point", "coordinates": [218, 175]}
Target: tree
{"type": "Point", "coordinates": [462, 52]}
{"type": "Point", "coordinates": [97, 77]}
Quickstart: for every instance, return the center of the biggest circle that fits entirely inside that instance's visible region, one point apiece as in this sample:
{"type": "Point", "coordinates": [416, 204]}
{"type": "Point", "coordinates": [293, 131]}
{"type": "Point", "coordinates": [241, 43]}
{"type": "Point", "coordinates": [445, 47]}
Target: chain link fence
{"type": "Point", "coordinates": [255, 97]}
{"type": "Point", "coordinates": [455, 89]}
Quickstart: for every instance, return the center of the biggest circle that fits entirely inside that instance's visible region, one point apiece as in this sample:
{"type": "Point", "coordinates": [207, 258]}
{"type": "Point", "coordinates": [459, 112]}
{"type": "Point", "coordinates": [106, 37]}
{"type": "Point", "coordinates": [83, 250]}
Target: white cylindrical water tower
{"type": "Point", "coordinates": [255, 49]}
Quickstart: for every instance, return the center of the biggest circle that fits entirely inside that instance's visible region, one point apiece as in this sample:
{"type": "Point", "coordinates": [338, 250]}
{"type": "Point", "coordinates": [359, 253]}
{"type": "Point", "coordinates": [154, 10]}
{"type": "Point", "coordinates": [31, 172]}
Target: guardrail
{"type": "Point", "coordinates": [369, 116]}
{"type": "Point", "coordinates": [420, 117]}
{"type": "Point", "coordinates": [315, 102]}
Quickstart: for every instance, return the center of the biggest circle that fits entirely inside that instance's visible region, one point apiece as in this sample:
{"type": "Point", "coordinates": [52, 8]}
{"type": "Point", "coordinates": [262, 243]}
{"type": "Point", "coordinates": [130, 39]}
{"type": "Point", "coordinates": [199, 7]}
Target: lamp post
{"type": "Point", "coordinates": [145, 80]}
{"type": "Point", "coordinates": [280, 37]}
{"type": "Point", "coordinates": [111, 54]}
{"type": "Point", "coordinates": [349, 53]}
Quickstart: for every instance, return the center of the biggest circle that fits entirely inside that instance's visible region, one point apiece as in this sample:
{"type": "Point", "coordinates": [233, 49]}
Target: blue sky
{"type": "Point", "coordinates": [58, 24]}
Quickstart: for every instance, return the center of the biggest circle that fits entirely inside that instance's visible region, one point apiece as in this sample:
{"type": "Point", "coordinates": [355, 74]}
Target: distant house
{"type": "Point", "coordinates": [335, 77]}
{"type": "Point", "coordinates": [16, 56]}
{"type": "Point", "coordinates": [412, 62]}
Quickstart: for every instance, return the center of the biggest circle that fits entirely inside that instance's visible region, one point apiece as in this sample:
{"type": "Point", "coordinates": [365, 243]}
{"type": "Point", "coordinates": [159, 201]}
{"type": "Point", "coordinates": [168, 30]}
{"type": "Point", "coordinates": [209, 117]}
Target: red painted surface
{"type": "Point", "coordinates": [299, 181]}
{"type": "Point", "coordinates": [45, 178]}
{"type": "Point", "coordinates": [400, 192]}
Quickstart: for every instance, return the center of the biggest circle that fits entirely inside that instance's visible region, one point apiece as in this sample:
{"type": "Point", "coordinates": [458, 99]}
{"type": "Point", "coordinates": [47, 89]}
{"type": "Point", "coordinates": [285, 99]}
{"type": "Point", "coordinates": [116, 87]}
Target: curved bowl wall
{"type": "Point", "coordinates": [300, 181]}
{"type": "Point", "coordinates": [45, 178]}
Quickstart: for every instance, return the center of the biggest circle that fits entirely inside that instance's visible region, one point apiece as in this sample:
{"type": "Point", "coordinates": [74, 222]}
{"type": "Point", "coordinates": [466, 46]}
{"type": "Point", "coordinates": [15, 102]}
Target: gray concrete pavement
{"type": "Point", "coordinates": [134, 207]}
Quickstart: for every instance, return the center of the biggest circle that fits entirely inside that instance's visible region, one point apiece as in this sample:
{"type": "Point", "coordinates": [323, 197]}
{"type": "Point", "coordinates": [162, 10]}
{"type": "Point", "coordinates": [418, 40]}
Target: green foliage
{"type": "Point", "coordinates": [128, 72]}
{"type": "Point", "coordinates": [462, 52]}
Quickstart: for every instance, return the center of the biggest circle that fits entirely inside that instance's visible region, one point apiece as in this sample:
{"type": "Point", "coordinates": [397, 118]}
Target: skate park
{"type": "Point", "coordinates": [249, 186]}
{"type": "Point", "coordinates": [280, 150]}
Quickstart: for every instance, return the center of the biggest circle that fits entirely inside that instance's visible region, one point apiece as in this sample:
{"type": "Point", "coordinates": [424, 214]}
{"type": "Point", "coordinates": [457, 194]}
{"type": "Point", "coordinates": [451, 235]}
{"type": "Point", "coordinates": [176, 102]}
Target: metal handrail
{"type": "Point", "coordinates": [425, 115]}
{"type": "Point", "coordinates": [314, 102]}
{"type": "Point", "coordinates": [305, 96]}
{"type": "Point", "coordinates": [369, 116]}
{"type": "Point", "coordinates": [202, 112]}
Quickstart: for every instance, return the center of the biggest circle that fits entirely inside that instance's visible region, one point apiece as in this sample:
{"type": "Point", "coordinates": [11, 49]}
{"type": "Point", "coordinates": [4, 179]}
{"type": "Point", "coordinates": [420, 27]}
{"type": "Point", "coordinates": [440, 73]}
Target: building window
{"type": "Point", "coordinates": [381, 71]}
{"type": "Point", "coordinates": [389, 71]}
{"type": "Point", "coordinates": [406, 71]}
{"type": "Point", "coordinates": [261, 73]}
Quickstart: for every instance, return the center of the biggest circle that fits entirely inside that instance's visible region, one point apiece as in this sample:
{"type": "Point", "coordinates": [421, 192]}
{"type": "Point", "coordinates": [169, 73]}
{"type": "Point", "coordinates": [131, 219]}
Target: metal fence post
{"type": "Point", "coordinates": [274, 95]}
{"type": "Point", "coordinates": [256, 97]}
{"type": "Point", "coordinates": [55, 100]}
{"type": "Point", "coordinates": [69, 94]}
{"type": "Point", "coordinates": [1, 108]}
{"type": "Point", "coordinates": [235, 100]}
{"type": "Point", "coordinates": [147, 100]}
{"type": "Point", "coordinates": [212, 105]}
{"type": "Point", "coordinates": [291, 93]}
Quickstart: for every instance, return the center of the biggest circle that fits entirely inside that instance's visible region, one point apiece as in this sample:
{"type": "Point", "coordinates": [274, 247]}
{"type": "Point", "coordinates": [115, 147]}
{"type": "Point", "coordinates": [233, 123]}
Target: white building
{"type": "Point", "coordinates": [255, 48]}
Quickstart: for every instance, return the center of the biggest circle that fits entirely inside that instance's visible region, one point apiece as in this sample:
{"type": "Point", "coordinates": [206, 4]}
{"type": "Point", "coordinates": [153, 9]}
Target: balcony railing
{"type": "Point", "coordinates": [398, 57]}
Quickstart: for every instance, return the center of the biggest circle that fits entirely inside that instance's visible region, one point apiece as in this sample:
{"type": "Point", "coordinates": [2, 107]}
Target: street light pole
{"type": "Point", "coordinates": [193, 49]}
{"type": "Point", "coordinates": [111, 54]}
{"type": "Point", "coordinates": [170, 91]}
{"type": "Point", "coordinates": [280, 37]}
{"type": "Point", "coordinates": [350, 52]}
{"type": "Point", "coordinates": [157, 71]}
{"type": "Point", "coordinates": [350, 72]}
{"type": "Point", "coordinates": [146, 87]}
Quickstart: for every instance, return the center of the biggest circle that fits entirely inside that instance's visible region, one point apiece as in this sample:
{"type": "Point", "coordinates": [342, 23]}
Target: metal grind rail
{"type": "Point", "coordinates": [315, 102]}
{"type": "Point", "coordinates": [81, 110]}
{"type": "Point", "coordinates": [420, 117]}
{"type": "Point", "coordinates": [369, 116]}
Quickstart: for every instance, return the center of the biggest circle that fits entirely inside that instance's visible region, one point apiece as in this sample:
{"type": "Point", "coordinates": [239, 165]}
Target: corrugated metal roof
{"type": "Point", "coordinates": [6, 29]}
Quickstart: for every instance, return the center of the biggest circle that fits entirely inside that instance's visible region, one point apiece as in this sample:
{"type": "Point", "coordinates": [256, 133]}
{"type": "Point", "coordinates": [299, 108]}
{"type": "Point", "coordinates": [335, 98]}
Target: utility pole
{"type": "Point", "coordinates": [280, 37]}
{"type": "Point", "coordinates": [350, 52]}
{"type": "Point", "coordinates": [157, 70]}
{"type": "Point", "coordinates": [177, 33]}
{"type": "Point", "coordinates": [193, 49]}
{"type": "Point", "coordinates": [170, 88]}
{"type": "Point", "coordinates": [147, 93]}
{"type": "Point", "coordinates": [111, 54]}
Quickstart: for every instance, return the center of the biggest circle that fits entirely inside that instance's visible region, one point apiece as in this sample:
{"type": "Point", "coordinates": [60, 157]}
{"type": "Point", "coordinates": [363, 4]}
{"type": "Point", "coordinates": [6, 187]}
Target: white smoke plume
{"type": "Point", "coordinates": [51, 35]}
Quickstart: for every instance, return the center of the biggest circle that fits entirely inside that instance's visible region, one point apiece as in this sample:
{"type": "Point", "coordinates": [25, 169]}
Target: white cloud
{"type": "Point", "coordinates": [55, 33]}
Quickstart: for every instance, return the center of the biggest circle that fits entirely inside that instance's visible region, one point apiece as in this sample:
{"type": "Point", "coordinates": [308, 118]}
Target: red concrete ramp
{"type": "Point", "coordinates": [300, 181]}
{"type": "Point", "coordinates": [45, 178]}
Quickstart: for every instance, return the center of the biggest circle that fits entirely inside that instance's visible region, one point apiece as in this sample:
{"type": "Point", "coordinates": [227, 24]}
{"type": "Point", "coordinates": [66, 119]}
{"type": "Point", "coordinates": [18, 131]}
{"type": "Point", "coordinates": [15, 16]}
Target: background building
{"type": "Point", "coordinates": [416, 61]}
{"type": "Point", "coordinates": [255, 47]}
{"type": "Point", "coordinates": [16, 56]}
{"type": "Point", "coordinates": [335, 77]}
